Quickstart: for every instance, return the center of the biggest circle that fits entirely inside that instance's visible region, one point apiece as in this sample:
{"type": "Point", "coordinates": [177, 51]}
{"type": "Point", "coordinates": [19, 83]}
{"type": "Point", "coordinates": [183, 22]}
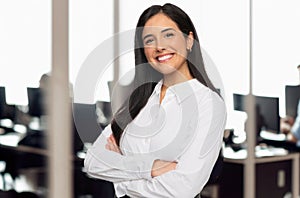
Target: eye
{"type": "Point", "coordinates": [169, 34]}
{"type": "Point", "coordinates": [148, 41]}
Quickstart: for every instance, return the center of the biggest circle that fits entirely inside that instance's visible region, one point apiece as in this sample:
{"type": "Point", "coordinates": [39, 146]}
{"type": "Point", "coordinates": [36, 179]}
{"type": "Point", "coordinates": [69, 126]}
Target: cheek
{"type": "Point", "coordinates": [148, 53]}
{"type": "Point", "coordinates": [181, 47]}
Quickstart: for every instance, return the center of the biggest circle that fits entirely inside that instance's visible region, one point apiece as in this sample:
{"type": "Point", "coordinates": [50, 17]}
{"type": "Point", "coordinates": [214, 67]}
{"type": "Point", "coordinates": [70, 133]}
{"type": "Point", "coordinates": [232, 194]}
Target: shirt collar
{"type": "Point", "coordinates": [181, 90]}
{"type": "Point", "coordinates": [157, 88]}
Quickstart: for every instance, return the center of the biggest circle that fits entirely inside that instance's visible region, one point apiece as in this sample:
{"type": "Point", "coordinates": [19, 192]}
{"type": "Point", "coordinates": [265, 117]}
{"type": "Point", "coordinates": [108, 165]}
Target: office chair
{"type": "Point", "coordinates": [85, 121]}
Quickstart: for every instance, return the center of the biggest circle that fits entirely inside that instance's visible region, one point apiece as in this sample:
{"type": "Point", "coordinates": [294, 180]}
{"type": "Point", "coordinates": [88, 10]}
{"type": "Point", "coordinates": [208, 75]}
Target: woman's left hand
{"type": "Point", "coordinates": [112, 144]}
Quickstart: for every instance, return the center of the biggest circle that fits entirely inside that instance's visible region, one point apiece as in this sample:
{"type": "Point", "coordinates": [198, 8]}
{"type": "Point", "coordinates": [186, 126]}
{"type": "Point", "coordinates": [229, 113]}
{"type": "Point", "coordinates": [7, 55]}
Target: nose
{"type": "Point", "coordinates": [160, 48]}
{"type": "Point", "coordinates": [160, 45]}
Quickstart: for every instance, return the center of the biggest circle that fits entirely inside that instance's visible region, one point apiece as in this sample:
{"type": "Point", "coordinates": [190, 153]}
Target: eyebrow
{"type": "Point", "coordinates": [164, 30]}
{"type": "Point", "coordinates": [167, 29]}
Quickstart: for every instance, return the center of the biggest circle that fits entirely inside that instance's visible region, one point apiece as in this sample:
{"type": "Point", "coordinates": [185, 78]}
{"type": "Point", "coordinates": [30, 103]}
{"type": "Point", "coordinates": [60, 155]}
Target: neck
{"type": "Point", "coordinates": [177, 77]}
{"type": "Point", "coordinates": [170, 80]}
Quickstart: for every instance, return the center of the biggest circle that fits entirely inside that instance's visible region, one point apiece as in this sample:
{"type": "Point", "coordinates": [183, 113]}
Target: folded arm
{"type": "Point", "coordinates": [105, 164]}
{"type": "Point", "coordinates": [194, 166]}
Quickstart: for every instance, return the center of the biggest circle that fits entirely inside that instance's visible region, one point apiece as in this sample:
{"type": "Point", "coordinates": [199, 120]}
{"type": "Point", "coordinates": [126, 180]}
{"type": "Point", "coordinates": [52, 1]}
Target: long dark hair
{"type": "Point", "coordinates": [146, 78]}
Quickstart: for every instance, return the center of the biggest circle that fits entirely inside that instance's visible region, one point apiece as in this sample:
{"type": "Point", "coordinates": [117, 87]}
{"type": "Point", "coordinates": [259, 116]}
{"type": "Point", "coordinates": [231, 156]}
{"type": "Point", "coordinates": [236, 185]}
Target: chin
{"type": "Point", "coordinates": [166, 71]}
{"type": "Point", "coordinates": [163, 68]}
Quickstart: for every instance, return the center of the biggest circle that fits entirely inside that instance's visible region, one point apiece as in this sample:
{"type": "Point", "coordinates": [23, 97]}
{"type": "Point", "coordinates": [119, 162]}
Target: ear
{"type": "Point", "coordinates": [190, 41]}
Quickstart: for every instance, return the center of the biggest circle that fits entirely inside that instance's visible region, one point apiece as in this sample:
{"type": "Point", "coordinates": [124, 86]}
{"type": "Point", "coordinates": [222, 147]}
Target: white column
{"type": "Point", "coordinates": [116, 30]}
{"type": "Point", "coordinates": [60, 170]}
{"type": "Point", "coordinates": [295, 176]}
{"type": "Point", "coordinates": [249, 166]}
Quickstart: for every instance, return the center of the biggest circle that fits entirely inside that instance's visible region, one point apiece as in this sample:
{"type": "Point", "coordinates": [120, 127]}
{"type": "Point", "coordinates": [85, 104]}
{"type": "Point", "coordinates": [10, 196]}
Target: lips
{"type": "Point", "coordinates": [164, 58]}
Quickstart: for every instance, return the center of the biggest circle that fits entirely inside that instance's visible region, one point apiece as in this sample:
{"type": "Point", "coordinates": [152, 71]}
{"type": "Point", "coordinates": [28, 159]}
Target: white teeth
{"type": "Point", "coordinates": [165, 57]}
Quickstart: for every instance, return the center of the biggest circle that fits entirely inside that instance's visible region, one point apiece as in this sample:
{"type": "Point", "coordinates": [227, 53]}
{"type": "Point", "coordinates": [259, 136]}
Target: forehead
{"type": "Point", "coordinates": [158, 22]}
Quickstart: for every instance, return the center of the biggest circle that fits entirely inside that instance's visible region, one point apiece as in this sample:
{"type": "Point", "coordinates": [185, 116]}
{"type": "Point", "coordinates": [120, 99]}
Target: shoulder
{"type": "Point", "coordinates": [209, 103]}
{"type": "Point", "coordinates": [205, 94]}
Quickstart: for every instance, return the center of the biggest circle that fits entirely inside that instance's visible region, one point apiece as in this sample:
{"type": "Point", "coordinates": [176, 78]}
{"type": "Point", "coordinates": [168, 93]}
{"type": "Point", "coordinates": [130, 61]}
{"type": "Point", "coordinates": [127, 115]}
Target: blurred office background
{"type": "Point", "coordinates": [236, 36]}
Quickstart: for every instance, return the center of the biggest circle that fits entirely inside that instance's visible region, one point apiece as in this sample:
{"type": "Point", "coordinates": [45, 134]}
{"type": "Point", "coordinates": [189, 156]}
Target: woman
{"type": "Point", "coordinates": [291, 127]}
{"type": "Point", "coordinates": [165, 139]}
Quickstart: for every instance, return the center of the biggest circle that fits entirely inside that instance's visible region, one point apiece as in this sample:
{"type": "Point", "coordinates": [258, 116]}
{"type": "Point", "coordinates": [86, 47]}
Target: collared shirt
{"type": "Point", "coordinates": [296, 126]}
{"type": "Point", "coordinates": [186, 127]}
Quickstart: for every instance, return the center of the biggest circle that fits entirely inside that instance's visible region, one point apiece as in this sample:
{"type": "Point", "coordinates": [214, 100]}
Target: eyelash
{"type": "Point", "coordinates": [167, 35]}
{"type": "Point", "coordinates": [148, 41]}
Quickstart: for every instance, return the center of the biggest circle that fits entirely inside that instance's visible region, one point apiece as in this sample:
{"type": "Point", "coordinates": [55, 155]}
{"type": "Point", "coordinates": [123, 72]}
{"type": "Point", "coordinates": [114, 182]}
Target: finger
{"type": "Point", "coordinates": [112, 144]}
{"type": "Point", "coordinates": [109, 140]}
{"type": "Point", "coordinates": [116, 147]}
{"type": "Point", "coordinates": [109, 147]}
{"type": "Point", "coordinates": [112, 138]}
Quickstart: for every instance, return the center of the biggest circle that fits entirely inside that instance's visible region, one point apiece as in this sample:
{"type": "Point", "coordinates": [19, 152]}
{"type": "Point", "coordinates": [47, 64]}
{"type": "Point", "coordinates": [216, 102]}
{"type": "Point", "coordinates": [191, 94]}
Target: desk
{"type": "Point", "coordinates": [288, 163]}
{"type": "Point", "coordinates": [26, 149]}
{"type": "Point", "coordinates": [31, 159]}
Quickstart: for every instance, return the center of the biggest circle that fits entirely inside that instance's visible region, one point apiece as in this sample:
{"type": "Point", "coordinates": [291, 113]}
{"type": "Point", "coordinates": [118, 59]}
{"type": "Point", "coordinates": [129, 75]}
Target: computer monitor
{"type": "Point", "coordinates": [267, 111]}
{"type": "Point", "coordinates": [2, 101]}
{"type": "Point", "coordinates": [292, 96]}
{"type": "Point", "coordinates": [35, 102]}
{"type": "Point", "coordinates": [6, 111]}
{"type": "Point", "coordinates": [268, 108]}
{"type": "Point", "coordinates": [239, 102]}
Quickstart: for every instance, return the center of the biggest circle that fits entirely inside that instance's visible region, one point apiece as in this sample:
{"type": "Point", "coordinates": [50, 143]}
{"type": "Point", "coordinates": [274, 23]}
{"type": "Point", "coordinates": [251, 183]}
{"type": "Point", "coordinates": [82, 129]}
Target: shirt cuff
{"type": "Point", "coordinates": [120, 189]}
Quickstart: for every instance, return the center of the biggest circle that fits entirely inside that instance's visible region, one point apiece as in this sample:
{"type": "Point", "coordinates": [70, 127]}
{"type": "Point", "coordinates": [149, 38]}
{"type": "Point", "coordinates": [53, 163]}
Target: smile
{"type": "Point", "coordinates": [165, 57]}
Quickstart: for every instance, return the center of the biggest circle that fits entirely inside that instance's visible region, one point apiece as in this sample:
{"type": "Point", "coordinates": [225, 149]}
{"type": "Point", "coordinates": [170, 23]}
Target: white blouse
{"type": "Point", "coordinates": [187, 127]}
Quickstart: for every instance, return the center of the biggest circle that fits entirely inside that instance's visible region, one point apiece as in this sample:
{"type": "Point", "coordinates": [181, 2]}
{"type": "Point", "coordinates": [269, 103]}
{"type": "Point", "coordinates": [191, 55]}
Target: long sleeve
{"type": "Point", "coordinates": [296, 127]}
{"type": "Point", "coordinates": [114, 167]}
{"type": "Point", "coordinates": [194, 166]}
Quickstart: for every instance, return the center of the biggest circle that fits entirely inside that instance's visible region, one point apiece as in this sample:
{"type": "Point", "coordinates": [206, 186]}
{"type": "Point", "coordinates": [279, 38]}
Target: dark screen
{"type": "Point", "coordinates": [6, 111]}
{"type": "Point", "coordinates": [2, 101]}
{"type": "Point", "coordinates": [35, 102]}
{"type": "Point", "coordinates": [268, 108]}
{"type": "Point", "coordinates": [267, 111]}
{"type": "Point", "coordinates": [292, 96]}
{"type": "Point", "coordinates": [239, 102]}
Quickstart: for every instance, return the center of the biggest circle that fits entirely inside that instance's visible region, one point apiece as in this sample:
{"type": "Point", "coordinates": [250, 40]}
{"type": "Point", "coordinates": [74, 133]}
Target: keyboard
{"type": "Point", "coordinates": [273, 136]}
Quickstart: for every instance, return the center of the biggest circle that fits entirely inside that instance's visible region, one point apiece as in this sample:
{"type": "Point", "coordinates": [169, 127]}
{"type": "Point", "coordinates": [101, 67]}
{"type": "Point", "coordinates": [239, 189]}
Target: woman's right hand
{"type": "Point", "coordinates": [160, 167]}
{"type": "Point", "coordinates": [112, 145]}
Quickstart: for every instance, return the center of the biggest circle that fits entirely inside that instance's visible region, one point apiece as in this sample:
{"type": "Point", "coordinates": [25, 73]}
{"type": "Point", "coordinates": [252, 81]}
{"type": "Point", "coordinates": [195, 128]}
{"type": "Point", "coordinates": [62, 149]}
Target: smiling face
{"type": "Point", "coordinates": [165, 46]}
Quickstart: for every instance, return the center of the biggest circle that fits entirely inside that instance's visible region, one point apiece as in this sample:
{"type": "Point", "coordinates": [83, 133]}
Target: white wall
{"type": "Point", "coordinates": [25, 47]}
{"type": "Point", "coordinates": [25, 39]}
{"type": "Point", "coordinates": [90, 24]}
{"type": "Point", "coordinates": [276, 47]}
{"type": "Point", "coordinates": [223, 28]}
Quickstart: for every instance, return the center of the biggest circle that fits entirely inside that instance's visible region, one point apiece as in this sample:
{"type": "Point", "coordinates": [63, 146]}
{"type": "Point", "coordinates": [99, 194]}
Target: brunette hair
{"type": "Point", "coordinates": [142, 91]}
